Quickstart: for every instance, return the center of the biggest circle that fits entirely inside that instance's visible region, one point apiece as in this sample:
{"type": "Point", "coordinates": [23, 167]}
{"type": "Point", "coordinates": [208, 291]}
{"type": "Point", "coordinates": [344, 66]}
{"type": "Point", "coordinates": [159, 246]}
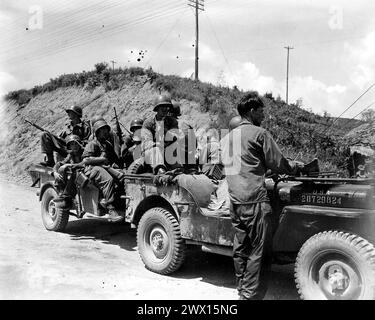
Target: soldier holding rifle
{"type": "Point", "coordinates": [51, 143]}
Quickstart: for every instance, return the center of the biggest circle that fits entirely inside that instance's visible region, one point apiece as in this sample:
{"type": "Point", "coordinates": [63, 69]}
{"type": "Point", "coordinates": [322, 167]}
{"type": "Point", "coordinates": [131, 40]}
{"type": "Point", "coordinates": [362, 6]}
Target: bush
{"type": "Point", "coordinates": [100, 67]}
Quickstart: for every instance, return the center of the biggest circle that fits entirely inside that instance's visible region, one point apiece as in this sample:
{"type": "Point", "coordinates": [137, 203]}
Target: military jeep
{"type": "Point", "coordinates": [325, 225]}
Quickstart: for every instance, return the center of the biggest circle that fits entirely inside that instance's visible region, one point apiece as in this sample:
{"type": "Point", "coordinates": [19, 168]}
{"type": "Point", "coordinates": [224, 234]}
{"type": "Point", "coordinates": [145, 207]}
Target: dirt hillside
{"type": "Point", "coordinates": [301, 134]}
{"type": "Point", "coordinates": [20, 142]}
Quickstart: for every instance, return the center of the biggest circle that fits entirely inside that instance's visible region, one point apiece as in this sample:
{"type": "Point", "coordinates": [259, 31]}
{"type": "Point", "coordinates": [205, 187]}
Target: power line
{"type": "Point", "coordinates": [89, 11]}
{"type": "Point", "coordinates": [368, 107]}
{"type": "Point", "coordinates": [348, 108]}
{"type": "Point", "coordinates": [115, 29]}
{"type": "Point", "coordinates": [165, 38]}
{"type": "Point", "coordinates": [220, 47]}
{"type": "Point", "coordinates": [87, 36]}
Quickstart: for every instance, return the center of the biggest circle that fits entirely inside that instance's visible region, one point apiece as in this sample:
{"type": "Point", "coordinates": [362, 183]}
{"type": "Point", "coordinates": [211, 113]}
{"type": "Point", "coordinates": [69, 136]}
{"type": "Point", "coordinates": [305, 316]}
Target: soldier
{"type": "Point", "coordinates": [64, 171]}
{"type": "Point", "coordinates": [76, 126]}
{"type": "Point", "coordinates": [253, 152]}
{"type": "Point", "coordinates": [186, 138]}
{"type": "Point", "coordinates": [130, 150]}
{"type": "Point", "coordinates": [99, 154]}
{"type": "Point", "coordinates": [210, 155]}
{"type": "Point", "coordinates": [153, 134]}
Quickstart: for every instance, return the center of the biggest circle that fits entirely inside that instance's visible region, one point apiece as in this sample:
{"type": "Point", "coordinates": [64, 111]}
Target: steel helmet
{"type": "Point", "coordinates": [234, 122]}
{"type": "Point", "coordinates": [72, 138]}
{"type": "Point", "coordinates": [137, 138]}
{"type": "Point", "coordinates": [136, 124]}
{"type": "Point", "coordinates": [75, 109]}
{"type": "Point", "coordinates": [162, 99]}
{"type": "Point", "coordinates": [176, 109]}
{"type": "Point", "coordinates": [100, 123]}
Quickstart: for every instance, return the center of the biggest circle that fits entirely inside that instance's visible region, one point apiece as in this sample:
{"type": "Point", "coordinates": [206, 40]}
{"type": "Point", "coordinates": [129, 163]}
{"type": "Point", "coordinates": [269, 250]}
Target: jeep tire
{"type": "Point", "coordinates": [159, 241]}
{"type": "Point", "coordinates": [54, 219]}
{"type": "Point", "coordinates": [336, 265]}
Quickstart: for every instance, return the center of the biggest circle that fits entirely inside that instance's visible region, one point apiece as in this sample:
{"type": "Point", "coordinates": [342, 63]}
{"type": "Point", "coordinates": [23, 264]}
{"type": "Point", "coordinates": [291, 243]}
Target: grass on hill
{"type": "Point", "coordinates": [301, 134]}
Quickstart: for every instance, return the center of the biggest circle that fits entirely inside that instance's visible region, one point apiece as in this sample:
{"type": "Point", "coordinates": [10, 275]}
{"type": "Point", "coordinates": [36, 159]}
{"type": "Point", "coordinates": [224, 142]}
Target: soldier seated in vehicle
{"type": "Point", "coordinates": [101, 157]}
{"type": "Point", "coordinates": [184, 140]}
{"type": "Point", "coordinates": [76, 126]}
{"type": "Point", "coordinates": [210, 154]}
{"type": "Point", "coordinates": [132, 142]}
{"type": "Point", "coordinates": [153, 135]}
{"type": "Point", "coordinates": [65, 171]}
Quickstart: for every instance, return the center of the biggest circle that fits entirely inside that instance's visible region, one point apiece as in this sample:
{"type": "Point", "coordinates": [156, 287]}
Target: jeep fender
{"type": "Point", "coordinates": [298, 223]}
{"type": "Point", "coordinates": [44, 187]}
{"type": "Point", "coordinates": [150, 202]}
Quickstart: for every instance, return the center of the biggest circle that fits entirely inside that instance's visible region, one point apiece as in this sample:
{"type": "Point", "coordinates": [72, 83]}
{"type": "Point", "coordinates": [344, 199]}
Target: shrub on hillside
{"type": "Point", "coordinates": [135, 71]}
{"type": "Point", "coordinates": [100, 67]}
{"type": "Point", "coordinates": [20, 96]}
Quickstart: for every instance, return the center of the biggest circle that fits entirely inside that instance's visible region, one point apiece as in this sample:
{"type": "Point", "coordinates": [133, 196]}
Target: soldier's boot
{"type": "Point", "coordinates": [114, 216]}
{"type": "Point", "coordinates": [49, 161]}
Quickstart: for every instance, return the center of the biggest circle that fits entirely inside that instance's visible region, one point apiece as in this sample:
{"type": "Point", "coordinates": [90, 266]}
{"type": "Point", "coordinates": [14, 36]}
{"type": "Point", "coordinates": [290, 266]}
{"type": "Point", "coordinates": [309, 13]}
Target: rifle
{"type": "Point", "coordinates": [44, 130]}
{"type": "Point", "coordinates": [118, 128]}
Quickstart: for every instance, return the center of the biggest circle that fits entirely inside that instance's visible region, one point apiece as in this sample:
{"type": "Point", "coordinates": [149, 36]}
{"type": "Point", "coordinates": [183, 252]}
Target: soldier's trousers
{"type": "Point", "coordinates": [103, 181]}
{"type": "Point", "coordinates": [49, 144]}
{"type": "Point", "coordinates": [252, 248]}
{"type": "Point", "coordinates": [67, 187]}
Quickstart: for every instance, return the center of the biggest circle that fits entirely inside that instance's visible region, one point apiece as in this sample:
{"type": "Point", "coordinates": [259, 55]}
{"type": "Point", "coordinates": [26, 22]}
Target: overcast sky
{"type": "Point", "coordinates": [241, 43]}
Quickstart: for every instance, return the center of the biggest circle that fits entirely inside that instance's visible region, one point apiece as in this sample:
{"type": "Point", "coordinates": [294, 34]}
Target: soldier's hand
{"type": "Point", "coordinates": [77, 165]}
{"type": "Point", "coordinates": [57, 176]}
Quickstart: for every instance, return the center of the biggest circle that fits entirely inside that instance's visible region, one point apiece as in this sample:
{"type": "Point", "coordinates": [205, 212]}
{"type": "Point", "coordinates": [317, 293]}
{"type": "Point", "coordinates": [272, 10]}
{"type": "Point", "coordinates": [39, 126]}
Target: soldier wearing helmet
{"type": "Point", "coordinates": [101, 158]}
{"type": "Point", "coordinates": [75, 126]}
{"type": "Point", "coordinates": [132, 142]}
{"type": "Point", "coordinates": [64, 171]}
{"type": "Point", "coordinates": [186, 138]}
{"type": "Point", "coordinates": [153, 134]}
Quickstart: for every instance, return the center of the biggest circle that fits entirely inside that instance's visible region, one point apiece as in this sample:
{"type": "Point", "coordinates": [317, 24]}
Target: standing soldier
{"type": "Point", "coordinates": [76, 126]}
{"type": "Point", "coordinates": [252, 151]}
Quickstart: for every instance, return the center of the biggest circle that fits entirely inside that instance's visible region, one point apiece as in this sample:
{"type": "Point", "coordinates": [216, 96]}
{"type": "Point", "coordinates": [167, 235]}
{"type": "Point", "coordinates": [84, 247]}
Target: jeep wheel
{"type": "Point", "coordinates": [54, 219]}
{"type": "Point", "coordinates": [336, 265]}
{"type": "Point", "coordinates": [159, 241]}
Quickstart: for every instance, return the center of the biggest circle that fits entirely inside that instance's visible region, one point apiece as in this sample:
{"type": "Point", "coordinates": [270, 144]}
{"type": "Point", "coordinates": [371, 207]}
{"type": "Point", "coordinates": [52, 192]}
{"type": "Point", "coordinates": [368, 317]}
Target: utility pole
{"type": "Point", "coordinates": [287, 73]}
{"type": "Point", "coordinates": [113, 65]}
{"type": "Point", "coordinates": [197, 5]}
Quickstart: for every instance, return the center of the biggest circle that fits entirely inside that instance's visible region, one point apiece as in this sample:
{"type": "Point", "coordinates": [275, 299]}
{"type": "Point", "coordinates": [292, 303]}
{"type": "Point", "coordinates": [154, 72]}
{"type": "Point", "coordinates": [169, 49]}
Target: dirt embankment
{"type": "Point", "coordinates": [20, 142]}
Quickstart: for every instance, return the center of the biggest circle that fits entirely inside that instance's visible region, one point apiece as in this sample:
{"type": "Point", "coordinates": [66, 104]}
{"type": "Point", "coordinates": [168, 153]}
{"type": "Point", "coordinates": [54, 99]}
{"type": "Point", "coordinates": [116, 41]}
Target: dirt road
{"type": "Point", "coordinates": [95, 260]}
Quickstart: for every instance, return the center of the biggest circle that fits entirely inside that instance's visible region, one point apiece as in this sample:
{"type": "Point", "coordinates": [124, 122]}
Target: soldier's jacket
{"type": "Point", "coordinates": [209, 155]}
{"type": "Point", "coordinates": [70, 158]}
{"type": "Point", "coordinates": [247, 152]}
{"type": "Point", "coordinates": [110, 149]}
{"type": "Point", "coordinates": [154, 131]}
{"type": "Point", "coordinates": [82, 129]}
